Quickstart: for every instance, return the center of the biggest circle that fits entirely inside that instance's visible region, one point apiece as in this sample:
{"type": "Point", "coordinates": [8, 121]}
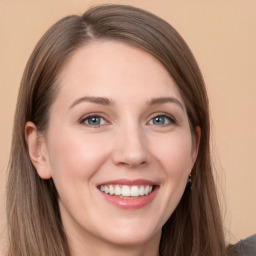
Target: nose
{"type": "Point", "coordinates": [130, 149]}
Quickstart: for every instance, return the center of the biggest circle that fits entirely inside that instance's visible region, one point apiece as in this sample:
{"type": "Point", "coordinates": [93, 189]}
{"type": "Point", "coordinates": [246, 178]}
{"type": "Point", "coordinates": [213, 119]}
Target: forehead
{"type": "Point", "coordinates": [112, 68]}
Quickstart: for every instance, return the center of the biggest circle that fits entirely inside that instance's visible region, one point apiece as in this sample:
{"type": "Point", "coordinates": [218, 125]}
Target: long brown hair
{"type": "Point", "coordinates": [34, 221]}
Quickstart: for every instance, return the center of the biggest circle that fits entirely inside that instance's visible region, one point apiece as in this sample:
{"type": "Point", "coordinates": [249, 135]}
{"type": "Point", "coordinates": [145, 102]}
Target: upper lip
{"type": "Point", "coordinates": [128, 182]}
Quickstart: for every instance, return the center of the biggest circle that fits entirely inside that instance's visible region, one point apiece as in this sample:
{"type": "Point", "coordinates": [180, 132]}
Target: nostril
{"type": "Point", "coordinates": [129, 160]}
{"type": "Point", "coordinates": [133, 163]}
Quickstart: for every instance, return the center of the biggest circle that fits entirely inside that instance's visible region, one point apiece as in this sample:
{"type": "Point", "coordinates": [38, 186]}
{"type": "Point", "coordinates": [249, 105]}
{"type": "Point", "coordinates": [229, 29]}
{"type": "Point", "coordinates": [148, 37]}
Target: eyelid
{"type": "Point", "coordinates": [90, 115]}
{"type": "Point", "coordinates": [171, 118]}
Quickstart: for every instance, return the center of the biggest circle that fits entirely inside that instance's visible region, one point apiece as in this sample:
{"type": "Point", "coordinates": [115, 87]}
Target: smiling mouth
{"type": "Point", "coordinates": [126, 191]}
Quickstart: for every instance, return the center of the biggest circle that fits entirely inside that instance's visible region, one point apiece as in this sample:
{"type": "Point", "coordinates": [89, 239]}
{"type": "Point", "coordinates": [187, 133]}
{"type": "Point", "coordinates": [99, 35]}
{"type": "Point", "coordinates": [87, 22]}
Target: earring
{"type": "Point", "coordinates": [190, 178]}
{"type": "Point", "coordinates": [190, 181]}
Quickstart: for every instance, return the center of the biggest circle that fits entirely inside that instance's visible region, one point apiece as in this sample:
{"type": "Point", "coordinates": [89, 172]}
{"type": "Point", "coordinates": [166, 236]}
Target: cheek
{"type": "Point", "coordinates": [75, 158]}
{"type": "Point", "coordinates": [175, 154]}
{"type": "Point", "coordinates": [174, 160]}
{"type": "Point", "coordinates": [74, 162]}
{"type": "Point", "coordinates": [176, 163]}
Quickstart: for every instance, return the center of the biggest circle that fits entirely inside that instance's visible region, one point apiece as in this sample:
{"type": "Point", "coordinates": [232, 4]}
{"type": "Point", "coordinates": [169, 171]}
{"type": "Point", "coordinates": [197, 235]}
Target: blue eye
{"type": "Point", "coordinates": [94, 120]}
{"type": "Point", "coordinates": [161, 120]}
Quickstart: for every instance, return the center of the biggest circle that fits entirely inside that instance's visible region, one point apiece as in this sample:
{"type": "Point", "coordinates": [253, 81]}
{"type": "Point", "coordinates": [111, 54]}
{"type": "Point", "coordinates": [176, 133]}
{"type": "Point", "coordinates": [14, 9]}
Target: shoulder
{"type": "Point", "coordinates": [246, 247]}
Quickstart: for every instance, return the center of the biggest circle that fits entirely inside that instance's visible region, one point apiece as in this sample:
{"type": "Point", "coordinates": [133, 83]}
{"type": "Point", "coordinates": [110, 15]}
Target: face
{"type": "Point", "coordinates": [118, 146]}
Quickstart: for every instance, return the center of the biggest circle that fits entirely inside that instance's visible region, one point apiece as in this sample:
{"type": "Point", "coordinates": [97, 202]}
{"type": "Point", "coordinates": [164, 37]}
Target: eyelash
{"type": "Point", "coordinates": [86, 118]}
{"type": "Point", "coordinates": [171, 120]}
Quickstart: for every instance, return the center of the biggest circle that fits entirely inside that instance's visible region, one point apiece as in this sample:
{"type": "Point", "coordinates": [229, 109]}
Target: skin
{"type": "Point", "coordinates": [128, 143]}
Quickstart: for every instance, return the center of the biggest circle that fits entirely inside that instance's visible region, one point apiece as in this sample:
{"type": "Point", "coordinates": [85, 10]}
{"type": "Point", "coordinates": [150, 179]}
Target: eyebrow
{"type": "Point", "coordinates": [108, 102]}
{"type": "Point", "coordinates": [163, 100]}
{"type": "Point", "coordinates": [98, 100]}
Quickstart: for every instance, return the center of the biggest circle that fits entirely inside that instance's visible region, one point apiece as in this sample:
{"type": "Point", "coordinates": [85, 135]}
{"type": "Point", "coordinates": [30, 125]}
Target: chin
{"type": "Point", "coordinates": [131, 234]}
{"type": "Point", "coordinates": [133, 238]}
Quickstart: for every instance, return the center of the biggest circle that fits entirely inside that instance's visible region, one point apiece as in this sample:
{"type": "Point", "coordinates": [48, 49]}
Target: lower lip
{"type": "Point", "coordinates": [130, 203]}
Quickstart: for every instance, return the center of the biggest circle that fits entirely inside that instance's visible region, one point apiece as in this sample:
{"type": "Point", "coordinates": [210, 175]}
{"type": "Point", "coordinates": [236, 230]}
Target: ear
{"type": "Point", "coordinates": [195, 143]}
{"type": "Point", "coordinates": [37, 150]}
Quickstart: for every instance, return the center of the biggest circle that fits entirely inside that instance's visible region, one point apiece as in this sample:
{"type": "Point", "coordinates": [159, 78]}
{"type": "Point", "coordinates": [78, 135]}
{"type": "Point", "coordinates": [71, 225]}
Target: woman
{"type": "Point", "coordinates": [115, 159]}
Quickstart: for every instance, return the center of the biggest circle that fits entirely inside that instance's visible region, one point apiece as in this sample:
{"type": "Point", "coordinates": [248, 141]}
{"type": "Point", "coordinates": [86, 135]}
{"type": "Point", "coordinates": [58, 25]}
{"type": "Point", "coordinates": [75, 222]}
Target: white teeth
{"type": "Point", "coordinates": [146, 190]}
{"type": "Point", "coordinates": [111, 190]}
{"type": "Point", "coordinates": [118, 191]}
{"type": "Point", "coordinates": [127, 191]}
{"type": "Point", "coordinates": [134, 191]}
{"type": "Point", "coordinates": [141, 191]}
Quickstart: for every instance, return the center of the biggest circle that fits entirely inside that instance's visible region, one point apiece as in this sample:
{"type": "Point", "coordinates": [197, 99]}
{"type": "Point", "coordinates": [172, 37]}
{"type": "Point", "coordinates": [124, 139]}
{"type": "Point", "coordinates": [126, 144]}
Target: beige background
{"type": "Point", "coordinates": [222, 36]}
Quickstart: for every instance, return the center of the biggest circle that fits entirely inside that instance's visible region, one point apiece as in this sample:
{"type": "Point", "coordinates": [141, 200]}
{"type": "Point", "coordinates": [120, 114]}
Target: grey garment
{"type": "Point", "coordinates": [246, 247]}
